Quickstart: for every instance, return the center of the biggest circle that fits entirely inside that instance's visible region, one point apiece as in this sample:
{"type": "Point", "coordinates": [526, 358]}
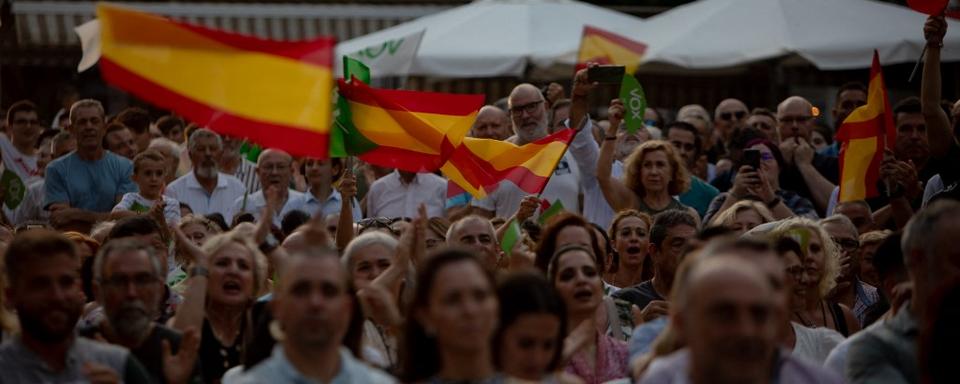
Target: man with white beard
{"type": "Point", "coordinates": [205, 189]}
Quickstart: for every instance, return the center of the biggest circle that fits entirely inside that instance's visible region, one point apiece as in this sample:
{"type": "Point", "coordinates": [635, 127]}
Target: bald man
{"type": "Point", "coordinates": [806, 172]}
{"type": "Point", "coordinates": [731, 316]}
{"type": "Point", "coordinates": [729, 115]}
{"type": "Point", "coordinates": [275, 170]}
{"type": "Point", "coordinates": [491, 123]}
{"type": "Point", "coordinates": [529, 118]}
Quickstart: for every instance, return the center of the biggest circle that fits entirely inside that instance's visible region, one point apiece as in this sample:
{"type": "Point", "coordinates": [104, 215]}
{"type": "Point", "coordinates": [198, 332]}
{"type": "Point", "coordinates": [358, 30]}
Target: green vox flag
{"type": "Point", "coordinates": [551, 211]}
{"type": "Point", "coordinates": [510, 237]}
{"type": "Point", "coordinates": [634, 101]}
{"type": "Point", "coordinates": [13, 189]}
{"type": "Point", "coordinates": [354, 68]}
{"type": "Point", "coordinates": [345, 140]}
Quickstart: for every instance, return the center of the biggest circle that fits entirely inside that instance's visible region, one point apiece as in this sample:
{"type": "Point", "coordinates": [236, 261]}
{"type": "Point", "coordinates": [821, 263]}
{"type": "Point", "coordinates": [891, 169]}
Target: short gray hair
{"type": "Point", "coordinates": [203, 133]}
{"type": "Point", "coordinates": [365, 240]}
{"type": "Point", "coordinates": [165, 146]}
{"type": "Point", "coordinates": [86, 103]}
{"type": "Point", "coordinates": [921, 230]}
{"type": "Point", "coordinates": [841, 220]}
{"type": "Point", "coordinates": [455, 226]}
{"type": "Point", "coordinates": [125, 245]}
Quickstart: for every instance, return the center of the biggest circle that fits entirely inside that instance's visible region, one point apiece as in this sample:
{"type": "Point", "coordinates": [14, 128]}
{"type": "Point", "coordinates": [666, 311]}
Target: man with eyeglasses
{"type": "Point", "coordinates": [530, 120]}
{"type": "Point", "coordinates": [275, 170]}
{"type": "Point", "coordinates": [18, 151]}
{"type": "Point", "coordinates": [729, 115]}
{"type": "Point", "coordinates": [849, 291]}
{"type": "Point", "coordinates": [128, 284]}
{"type": "Point", "coordinates": [808, 173]}
{"type": "Point", "coordinates": [684, 138]}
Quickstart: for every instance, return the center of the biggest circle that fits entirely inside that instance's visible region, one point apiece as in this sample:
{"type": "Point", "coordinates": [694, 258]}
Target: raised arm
{"type": "Point", "coordinates": [191, 312]}
{"type": "Point", "coordinates": [615, 191]}
{"type": "Point", "coordinates": [938, 124]}
{"type": "Point", "coordinates": [348, 189]}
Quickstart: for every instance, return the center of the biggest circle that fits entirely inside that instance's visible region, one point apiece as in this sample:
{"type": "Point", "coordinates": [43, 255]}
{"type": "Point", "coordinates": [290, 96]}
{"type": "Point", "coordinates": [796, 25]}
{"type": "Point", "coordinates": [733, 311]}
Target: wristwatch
{"type": "Point", "coordinates": [199, 271]}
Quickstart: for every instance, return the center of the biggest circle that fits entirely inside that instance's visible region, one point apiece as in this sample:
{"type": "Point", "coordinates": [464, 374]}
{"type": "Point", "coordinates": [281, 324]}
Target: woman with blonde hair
{"type": "Point", "coordinates": [743, 216]}
{"type": "Point", "coordinates": [653, 173]}
{"type": "Point", "coordinates": [226, 275]}
{"type": "Point", "coordinates": [821, 264]}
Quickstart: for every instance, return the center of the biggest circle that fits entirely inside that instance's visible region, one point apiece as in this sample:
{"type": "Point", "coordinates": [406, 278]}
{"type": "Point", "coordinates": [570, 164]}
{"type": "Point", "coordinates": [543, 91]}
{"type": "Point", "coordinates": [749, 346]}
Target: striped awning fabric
{"type": "Point", "coordinates": [51, 23]}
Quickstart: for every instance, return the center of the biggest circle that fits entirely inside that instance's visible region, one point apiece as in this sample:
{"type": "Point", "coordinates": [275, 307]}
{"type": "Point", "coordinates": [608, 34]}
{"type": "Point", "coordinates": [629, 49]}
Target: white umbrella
{"type": "Point", "coordinates": [500, 37]}
{"type": "Point", "coordinates": [831, 34]}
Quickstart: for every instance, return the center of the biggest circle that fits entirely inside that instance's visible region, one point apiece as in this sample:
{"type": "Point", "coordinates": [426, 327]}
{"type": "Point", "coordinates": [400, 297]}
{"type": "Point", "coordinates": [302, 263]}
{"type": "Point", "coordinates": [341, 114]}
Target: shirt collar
{"type": "Point", "coordinates": [192, 181]}
{"type": "Point", "coordinates": [333, 198]}
{"type": "Point", "coordinates": [288, 371]}
{"type": "Point", "coordinates": [416, 178]}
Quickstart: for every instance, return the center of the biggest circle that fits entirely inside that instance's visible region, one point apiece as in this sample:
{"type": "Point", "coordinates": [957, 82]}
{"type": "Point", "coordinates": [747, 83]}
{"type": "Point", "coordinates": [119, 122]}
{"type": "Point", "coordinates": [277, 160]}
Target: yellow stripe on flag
{"type": "Point", "coordinates": [594, 46]}
{"type": "Point", "coordinates": [539, 159]}
{"type": "Point", "coordinates": [385, 127]}
{"type": "Point", "coordinates": [859, 154]}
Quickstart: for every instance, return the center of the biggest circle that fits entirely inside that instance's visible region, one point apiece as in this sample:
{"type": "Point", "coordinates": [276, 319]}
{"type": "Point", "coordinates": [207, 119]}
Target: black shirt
{"type": "Point", "coordinates": [639, 295]}
{"type": "Point", "coordinates": [150, 352]}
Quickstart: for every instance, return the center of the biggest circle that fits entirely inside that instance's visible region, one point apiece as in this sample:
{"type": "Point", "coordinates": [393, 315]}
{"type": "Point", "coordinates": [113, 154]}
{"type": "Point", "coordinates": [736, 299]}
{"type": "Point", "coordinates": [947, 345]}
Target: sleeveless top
{"type": "Point", "coordinates": [643, 207]}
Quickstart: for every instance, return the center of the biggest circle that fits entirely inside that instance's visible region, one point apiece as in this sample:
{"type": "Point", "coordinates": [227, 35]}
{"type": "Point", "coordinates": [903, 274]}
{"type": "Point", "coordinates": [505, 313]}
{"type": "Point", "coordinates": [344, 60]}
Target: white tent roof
{"type": "Point", "coordinates": [831, 34]}
{"type": "Point", "coordinates": [500, 37]}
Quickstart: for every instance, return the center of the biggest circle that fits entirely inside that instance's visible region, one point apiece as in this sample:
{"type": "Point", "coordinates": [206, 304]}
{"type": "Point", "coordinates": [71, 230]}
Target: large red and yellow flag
{"type": "Point", "coordinates": [864, 135]}
{"type": "Point", "coordinates": [277, 94]}
{"type": "Point", "coordinates": [603, 47]}
{"type": "Point", "coordinates": [478, 165]}
{"type": "Point", "coordinates": [408, 130]}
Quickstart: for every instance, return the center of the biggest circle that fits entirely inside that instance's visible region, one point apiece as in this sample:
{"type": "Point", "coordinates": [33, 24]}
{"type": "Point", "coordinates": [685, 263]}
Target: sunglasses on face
{"type": "Point", "coordinates": [729, 116]}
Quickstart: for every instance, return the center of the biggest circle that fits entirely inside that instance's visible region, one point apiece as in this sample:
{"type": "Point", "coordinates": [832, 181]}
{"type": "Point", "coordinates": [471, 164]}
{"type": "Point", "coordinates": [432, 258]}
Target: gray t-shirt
{"type": "Point", "coordinates": [19, 364]}
{"type": "Point", "coordinates": [675, 369]}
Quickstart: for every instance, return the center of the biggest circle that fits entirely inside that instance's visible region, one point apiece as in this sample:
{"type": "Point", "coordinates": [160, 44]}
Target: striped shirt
{"type": "Point", "coordinates": [247, 173]}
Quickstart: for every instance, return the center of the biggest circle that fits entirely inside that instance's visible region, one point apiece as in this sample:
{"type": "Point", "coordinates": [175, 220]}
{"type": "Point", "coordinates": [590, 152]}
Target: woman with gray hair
{"type": "Point", "coordinates": [821, 264]}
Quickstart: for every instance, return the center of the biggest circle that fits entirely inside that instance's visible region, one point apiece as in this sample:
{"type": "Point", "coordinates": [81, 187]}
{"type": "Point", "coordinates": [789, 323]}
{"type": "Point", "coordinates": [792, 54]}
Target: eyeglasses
{"type": "Point", "coordinates": [729, 116]}
{"type": "Point", "coordinates": [529, 108]}
{"type": "Point", "coordinates": [795, 119]}
{"type": "Point", "coordinates": [140, 281]}
{"type": "Point", "coordinates": [848, 245]}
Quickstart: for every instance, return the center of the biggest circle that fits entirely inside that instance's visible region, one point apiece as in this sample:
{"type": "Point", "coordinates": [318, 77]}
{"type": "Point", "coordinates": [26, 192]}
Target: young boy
{"type": "Point", "coordinates": [149, 170]}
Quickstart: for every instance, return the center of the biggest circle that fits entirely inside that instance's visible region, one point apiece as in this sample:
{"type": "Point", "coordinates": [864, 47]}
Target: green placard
{"type": "Point", "coordinates": [551, 211]}
{"type": "Point", "coordinates": [510, 237]}
{"type": "Point", "coordinates": [354, 68]}
{"type": "Point", "coordinates": [634, 103]}
{"type": "Point", "coordinates": [13, 189]}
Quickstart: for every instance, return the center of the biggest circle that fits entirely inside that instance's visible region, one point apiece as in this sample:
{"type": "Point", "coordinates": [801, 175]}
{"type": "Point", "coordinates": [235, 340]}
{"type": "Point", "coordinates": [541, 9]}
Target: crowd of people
{"type": "Point", "coordinates": [701, 249]}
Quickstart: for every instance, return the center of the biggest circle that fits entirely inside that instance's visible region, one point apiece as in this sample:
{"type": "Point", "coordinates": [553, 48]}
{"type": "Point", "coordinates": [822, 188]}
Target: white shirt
{"type": "Point", "coordinates": [171, 208]}
{"type": "Point", "coordinates": [31, 208]}
{"type": "Point", "coordinates": [255, 202]}
{"type": "Point", "coordinates": [314, 207]}
{"type": "Point", "coordinates": [24, 166]}
{"type": "Point", "coordinates": [815, 344]}
{"type": "Point", "coordinates": [187, 190]}
{"type": "Point", "coordinates": [596, 209]}
{"type": "Point", "coordinates": [565, 184]}
{"type": "Point", "coordinates": [390, 197]}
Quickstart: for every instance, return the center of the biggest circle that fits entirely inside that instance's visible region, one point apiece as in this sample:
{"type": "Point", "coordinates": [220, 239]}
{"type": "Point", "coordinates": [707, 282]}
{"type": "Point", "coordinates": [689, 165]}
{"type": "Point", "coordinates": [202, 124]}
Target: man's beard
{"type": "Point", "coordinates": [131, 321]}
{"type": "Point", "coordinates": [529, 135]}
{"type": "Point", "coordinates": [33, 324]}
{"type": "Point", "coordinates": [206, 172]}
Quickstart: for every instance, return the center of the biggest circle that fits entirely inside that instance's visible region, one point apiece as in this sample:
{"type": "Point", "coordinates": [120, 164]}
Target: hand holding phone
{"type": "Point", "coordinates": [606, 74]}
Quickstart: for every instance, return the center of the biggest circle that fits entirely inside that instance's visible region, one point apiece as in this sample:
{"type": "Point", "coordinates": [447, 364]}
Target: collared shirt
{"type": "Point", "coordinates": [314, 207]}
{"type": "Point", "coordinates": [867, 296]}
{"type": "Point", "coordinates": [89, 185]}
{"type": "Point", "coordinates": [391, 197]}
{"type": "Point", "coordinates": [187, 190]}
{"type": "Point", "coordinates": [675, 369]}
{"type": "Point", "coordinates": [254, 204]}
{"type": "Point", "coordinates": [277, 369]}
{"type": "Point", "coordinates": [20, 364]}
{"type": "Point", "coordinates": [247, 174]}
{"type": "Point", "coordinates": [886, 353]}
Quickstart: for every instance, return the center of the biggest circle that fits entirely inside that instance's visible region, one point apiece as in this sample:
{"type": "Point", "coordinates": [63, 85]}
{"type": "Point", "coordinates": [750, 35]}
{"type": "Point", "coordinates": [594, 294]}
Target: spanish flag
{"type": "Point", "coordinates": [478, 165]}
{"type": "Point", "coordinates": [863, 136]}
{"type": "Point", "coordinates": [277, 94]}
{"type": "Point", "coordinates": [408, 130]}
{"type": "Point", "coordinates": [603, 47]}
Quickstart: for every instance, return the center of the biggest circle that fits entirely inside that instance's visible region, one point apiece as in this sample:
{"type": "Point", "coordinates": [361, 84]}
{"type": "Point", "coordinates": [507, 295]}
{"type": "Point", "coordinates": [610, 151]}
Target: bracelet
{"type": "Point", "coordinates": [199, 271]}
{"type": "Point", "coordinates": [773, 203]}
{"type": "Point", "coordinates": [611, 138]}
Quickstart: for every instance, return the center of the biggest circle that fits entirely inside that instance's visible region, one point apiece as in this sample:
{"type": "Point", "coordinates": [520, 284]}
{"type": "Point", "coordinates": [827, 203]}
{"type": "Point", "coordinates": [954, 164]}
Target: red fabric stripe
{"type": "Point", "coordinates": [407, 160]}
{"type": "Point", "coordinates": [481, 173]}
{"type": "Point", "coordinates": [411, 101]}
{"type": "Point", "coordinates": [634, 46]}
{"type": "Point", "coordinates": [296, 141]}
{"type": "Point", "coordinates": [453, 189]}
{"type": "Point", "coordinates": [318, 51]}
{"type": "Point", "coordinates": [860, 130]}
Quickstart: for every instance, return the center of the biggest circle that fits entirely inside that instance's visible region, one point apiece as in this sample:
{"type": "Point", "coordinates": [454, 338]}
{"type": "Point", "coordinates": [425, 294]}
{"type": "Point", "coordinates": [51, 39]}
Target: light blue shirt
{"type": "Point", "coordinates": [314, 207]}
{"type": "Point", "coordinates": [89, 185]}
{"type": "Point", "coordinates": [277, 369]}
{"type": "Point", "coordinates": [644, 335]}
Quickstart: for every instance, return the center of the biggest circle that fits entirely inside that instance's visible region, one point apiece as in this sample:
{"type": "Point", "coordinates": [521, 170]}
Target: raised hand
{"type": "Point", "coordinates": [654, 309]}
{"type": "Point", "coordinates": [934, 30]}
{"type": "Point", "coordinates": [348, 185]}
{"type": "Point", "coordinates": [615, 116]}
{"type": "Point", "coordinates": [178, 368]}
{"type": "Point", "coordinates": [581, 83]}
{"type": "Point", "coordinates": [528, 206]}
{"type": "Point", "coordinates": [745, 182]}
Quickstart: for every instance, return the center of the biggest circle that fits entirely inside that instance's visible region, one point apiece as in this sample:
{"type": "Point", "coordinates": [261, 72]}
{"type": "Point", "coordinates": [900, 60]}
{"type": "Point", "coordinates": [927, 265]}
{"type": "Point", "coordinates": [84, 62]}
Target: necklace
{"type": "Point", "coordinates": [811, 324]}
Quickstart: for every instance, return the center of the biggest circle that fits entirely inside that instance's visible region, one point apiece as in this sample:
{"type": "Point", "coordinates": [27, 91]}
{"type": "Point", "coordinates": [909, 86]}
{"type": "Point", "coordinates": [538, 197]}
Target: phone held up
{"type": "Point", "coordinates": [606, 74]}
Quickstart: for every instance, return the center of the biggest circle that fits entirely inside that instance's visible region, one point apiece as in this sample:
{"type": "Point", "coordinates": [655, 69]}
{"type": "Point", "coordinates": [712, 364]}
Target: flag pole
{"type": "Point", "coordinates": [916, 66]}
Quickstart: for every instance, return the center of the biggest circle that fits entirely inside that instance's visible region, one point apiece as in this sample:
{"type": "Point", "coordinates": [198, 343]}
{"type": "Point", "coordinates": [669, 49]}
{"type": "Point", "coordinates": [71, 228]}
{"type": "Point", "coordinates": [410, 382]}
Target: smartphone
{"type": "Point", "coordinates": [606, 74]}
{"type": "Point", "coordinates": [751, 157]}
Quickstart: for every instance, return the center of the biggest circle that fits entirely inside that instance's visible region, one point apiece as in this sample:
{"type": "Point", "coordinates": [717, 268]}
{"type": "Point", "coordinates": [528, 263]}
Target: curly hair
{"type": "Point", "coordinates": [679, 178]}
{"type": "Point", "coordinates": [831, 254]}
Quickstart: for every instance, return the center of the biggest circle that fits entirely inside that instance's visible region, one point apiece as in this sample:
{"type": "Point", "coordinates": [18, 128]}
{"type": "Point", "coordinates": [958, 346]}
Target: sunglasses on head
{"type": "Point", "coordinates": [729, 116]}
